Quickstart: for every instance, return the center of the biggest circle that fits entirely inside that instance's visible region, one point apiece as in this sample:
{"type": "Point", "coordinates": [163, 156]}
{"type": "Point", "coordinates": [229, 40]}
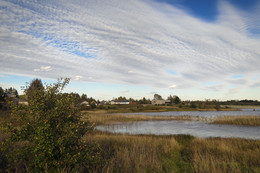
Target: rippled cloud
{"type": "Point", "coordinates": [138, 42]}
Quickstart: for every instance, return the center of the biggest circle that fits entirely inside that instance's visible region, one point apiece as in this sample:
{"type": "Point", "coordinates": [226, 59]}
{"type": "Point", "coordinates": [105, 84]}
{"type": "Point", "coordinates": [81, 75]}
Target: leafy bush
{"type": "Point", "coordinates": [50, 137]}
{"type": "Point", "coordinates": [193, 105]}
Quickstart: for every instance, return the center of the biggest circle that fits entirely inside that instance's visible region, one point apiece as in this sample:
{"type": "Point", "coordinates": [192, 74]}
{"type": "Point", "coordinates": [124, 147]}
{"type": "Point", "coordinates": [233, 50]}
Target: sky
{"type": "Point", "coordinates": [194, 49]}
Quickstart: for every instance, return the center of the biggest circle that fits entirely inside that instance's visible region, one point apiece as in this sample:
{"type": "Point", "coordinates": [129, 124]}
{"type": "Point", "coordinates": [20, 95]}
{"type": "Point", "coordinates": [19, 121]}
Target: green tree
{"type": "Point", "coordinates": [1, 93]}
{"type": "Point", "coordinates": [174, 99]}
{"type": "Point", "coordinates": [83, 97]}
{"type": "Point", "coordinates": [12, 92]}
{"type": "Point", "coordinates": [51, 133]}
{"type": "Point", "coordinates": [131, 99]}
{"type": "Point", "coordinates": [144, 101]}
{"type": "Point", "coordinates": [76, 97]}
{"type": "Point", "coordinates": [157, 97]}
{"type": "Point", "coordinates": [193, 105]}
{"type": "Point", "coordinates": [90, 100]}
{"type": "Point", "coordinates": [121, 99]}
{"type": "Point", "coordinates": [93, 105]}
{"type": "Point", "coordinates": [34, 87]}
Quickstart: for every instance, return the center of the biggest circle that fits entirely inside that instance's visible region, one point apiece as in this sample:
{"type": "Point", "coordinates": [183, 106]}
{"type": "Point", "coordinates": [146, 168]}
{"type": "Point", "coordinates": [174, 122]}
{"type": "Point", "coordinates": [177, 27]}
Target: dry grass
{"type": "Point", "coordinates": [226, 155]}
{"type": "Point", "coordinates": [243, 106]}
{"type": "Point", "coordinates": [102, 119]}
{"type": "Point", "coordinates": [125, 153]}
{"type": "Point", "coordinates": [182, 153]}
{"type": "Point", "coordinates": [238, 120]}
{"type": "Point", "coordinates": [156, 108]}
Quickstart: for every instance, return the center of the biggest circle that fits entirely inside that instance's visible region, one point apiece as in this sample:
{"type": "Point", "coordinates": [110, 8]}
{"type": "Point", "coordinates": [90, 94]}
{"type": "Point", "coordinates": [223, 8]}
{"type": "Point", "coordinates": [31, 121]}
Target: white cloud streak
{"type": "Point", "coordinates": [43, 68]}
{"type": "Point", "coordinates": [78, 77]}
{"type": "Point", "coordinates": [133, 42]}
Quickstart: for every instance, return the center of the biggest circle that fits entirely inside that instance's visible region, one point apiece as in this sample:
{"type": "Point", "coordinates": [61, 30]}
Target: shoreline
{"type": "Point", "coordinates": [105, 118]}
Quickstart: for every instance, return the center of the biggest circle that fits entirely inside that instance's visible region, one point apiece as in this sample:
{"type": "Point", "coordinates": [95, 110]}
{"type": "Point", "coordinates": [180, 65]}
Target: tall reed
{"type": "Point", "coordinates": [125, 153]}
{"type": "Point", "coordinates": [181, 153]}
{"type": "Point", "coordinates": [226, 155]}
{"type": "Point", "coordinates": [238, 120]}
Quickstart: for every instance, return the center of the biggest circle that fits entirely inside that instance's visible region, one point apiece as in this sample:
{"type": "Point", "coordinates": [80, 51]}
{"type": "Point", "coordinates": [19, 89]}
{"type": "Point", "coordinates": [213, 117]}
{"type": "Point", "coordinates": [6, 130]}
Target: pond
{"type": "Point", "coordinates": [194, 128]}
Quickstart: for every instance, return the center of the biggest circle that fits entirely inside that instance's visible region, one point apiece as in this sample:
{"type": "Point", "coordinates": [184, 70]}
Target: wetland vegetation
{"type": "Point", "coordinates": [177, 153]}
{"type": "Point", "coordinates": [181, 153]}
{"type": "Point", "coordinates": [34, 135]}
{"type": "Point", "coordinates": [238, 120]}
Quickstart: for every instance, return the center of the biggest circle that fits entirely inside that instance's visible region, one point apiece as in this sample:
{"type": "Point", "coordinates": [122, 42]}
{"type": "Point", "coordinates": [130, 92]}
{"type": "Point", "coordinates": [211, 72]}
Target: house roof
{"type": "Point", "coordinates": [84, 103]}
{"type": "Point", "coordinates": [120, 101]}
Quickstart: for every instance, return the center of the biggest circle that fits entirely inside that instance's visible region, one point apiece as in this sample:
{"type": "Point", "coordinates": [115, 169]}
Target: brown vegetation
{"type": "Point", "coordinates": [226, 155]}
{"type": "Point", "coordinates": [105, 118]}
{"type": "Point", "coordinates": [181, 153]}
{"type": "Point", "coordinates": [238, 120]}
{"type": "Point", "coordinates": [124, 153]}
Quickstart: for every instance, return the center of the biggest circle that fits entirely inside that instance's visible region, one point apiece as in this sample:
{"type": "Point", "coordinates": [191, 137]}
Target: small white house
{"type": "Point", "coordinates": [113, 102]}
{"type": "Point", "coordinates": [85, 103]}
{"type": "Point", "coordinates": [158, 102]}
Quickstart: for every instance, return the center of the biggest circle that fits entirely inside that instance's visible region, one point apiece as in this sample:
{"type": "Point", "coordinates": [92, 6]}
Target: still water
{"type": "Point", "coordinates": [194, 128]}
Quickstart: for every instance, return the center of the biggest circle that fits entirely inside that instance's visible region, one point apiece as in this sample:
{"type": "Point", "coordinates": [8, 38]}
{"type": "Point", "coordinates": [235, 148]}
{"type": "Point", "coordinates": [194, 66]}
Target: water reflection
{"type": "Point", "coordinates": [195, 128]}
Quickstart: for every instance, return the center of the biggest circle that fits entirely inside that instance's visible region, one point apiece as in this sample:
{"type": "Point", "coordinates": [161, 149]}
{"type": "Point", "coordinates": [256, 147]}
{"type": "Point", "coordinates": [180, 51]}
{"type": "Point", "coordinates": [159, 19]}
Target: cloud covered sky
{"type": "Point", "coordinates": [134, 48]}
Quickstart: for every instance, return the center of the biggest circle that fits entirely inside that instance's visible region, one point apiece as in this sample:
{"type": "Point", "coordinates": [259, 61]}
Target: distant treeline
{"type": "Point", "coordinates": [228, 102]}
{"type": "Point", "coordinates": [36, 83]}
{"type": "Point", "coordinates": [241, 102]}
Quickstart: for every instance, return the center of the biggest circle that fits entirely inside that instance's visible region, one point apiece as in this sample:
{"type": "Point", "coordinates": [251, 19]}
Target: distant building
{"type": "Point", "coordinates": [4, 105]}
{"type": "Point", "coordinates": [23, 103]}
{"type": "Point", "coordinates": [158, 102]}
{"type": "Point", "coordinates": [103, 102]}
{"type": "Point", "coordinates": [133, 103]}
{"type": "Point", "coordinates": [84, 103]}
{"type": "Point", "coordinates": [168, 102]}
{"type": "Point", "coordinates": [117, 102]}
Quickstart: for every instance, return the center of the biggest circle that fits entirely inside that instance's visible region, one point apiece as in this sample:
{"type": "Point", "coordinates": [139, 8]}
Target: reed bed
{"type": "Point", "coordinates": [181, 153]}
{"type": "Point", "coordinates": [103, 119]}
{"type": "Point", "coordinates": [125, 153]}
{"type": "Point", "coordinates": [225, 155]}
{"type": "Point", "coordinates": [238, 120]}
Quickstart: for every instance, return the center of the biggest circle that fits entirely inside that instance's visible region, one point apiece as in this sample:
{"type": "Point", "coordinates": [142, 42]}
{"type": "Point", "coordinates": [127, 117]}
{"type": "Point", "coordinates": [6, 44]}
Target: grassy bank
{"type": "Point", "coordinates": [160, 108]}
{"type": "Point", "coordinates": [243, 106]}
{"type": "Point", "coordinates": [102, 118]}
{"type": "Point", "coordinates": [238, 120]}
{"type": "Point", "coordinates": [183, 153]}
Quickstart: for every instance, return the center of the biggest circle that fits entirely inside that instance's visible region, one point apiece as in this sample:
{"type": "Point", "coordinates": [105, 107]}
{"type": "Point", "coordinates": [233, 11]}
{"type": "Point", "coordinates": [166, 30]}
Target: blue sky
{"type": "Point", "coordinates": [194, 49]}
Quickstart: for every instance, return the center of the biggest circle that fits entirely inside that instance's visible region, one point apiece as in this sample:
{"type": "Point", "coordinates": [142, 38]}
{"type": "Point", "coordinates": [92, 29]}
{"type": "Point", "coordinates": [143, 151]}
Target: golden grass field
{"type": "Point", "coordinates": [183, 153]}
